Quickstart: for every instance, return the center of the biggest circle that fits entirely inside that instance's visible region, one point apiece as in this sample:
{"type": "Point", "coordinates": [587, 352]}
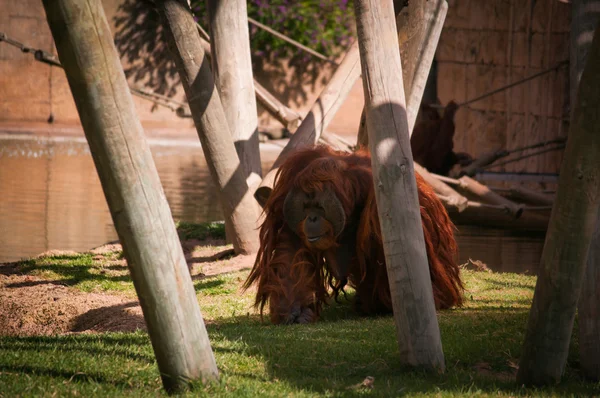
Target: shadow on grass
{"type": "Point", "coordinates": [118, 346]}
{"type": "Point", "coordinates": [70, 269]}
{"type": "Point", "coordinates": [109, 318]}
{"type": "Point", "coordinates": [337, 353]}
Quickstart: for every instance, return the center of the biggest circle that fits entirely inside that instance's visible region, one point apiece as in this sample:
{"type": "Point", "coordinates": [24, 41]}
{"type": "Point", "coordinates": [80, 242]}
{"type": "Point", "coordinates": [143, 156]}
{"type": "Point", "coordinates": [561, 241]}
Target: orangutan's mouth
{"type": "Point", "coordinates": [312, 239]}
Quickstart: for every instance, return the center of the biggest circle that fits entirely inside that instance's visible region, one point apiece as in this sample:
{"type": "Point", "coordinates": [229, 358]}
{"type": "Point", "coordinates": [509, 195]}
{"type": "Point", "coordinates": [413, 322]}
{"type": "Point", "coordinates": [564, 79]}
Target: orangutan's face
{"type": "Point", "coordinates": [317, 217]}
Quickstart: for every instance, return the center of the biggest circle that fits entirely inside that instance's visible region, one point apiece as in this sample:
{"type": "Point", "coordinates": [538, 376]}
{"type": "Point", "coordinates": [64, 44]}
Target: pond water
{"type": "Point", "coordinates": [51, 197]}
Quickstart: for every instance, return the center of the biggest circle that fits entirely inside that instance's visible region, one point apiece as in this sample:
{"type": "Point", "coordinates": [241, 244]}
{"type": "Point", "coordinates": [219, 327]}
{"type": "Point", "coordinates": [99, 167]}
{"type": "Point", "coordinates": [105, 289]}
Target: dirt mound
{"type": "Point", "coordinates": [30, 305]}
{"type": "Point", "coordinates": [35, 306]}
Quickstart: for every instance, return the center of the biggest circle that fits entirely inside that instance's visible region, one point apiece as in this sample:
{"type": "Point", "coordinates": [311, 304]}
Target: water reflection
{"type": "Point", "coordinates": [51, 198]}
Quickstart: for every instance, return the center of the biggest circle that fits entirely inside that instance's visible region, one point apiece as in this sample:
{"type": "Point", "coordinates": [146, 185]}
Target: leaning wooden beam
{"type": "Point", "coordinates": [449, 196]}
{"type": "Point", "coordinates": [495, 216]}
{"type": "Point", "coordinates": [584, 19]}
{"type": "Point", "coordinates": [524, 194]}
{"type": "Point", "coordinates": [232, 71]}
{"type": "Point", "coordinates": [133, 191]}
{"type": "Point", "coordinates": [289, 118]}
{"type": "Point", "coordinates": [419, 25]}
{"type": "Point", "coordinates": [483, 160]}
{"type": "Point", "coordinates": [335, 141]}
{"type": "Point", "coordinates": [320, 115]}
{"type": "Point", "coordinates": [416, 322]}
{"type": "Point", "coordinates": [286, 116]}
{"type": "Point", "coordinates": [433, 20]}
{"type": "Point", "coordinates": [568, 240]}
{"type": "Point", "coordinates": [240, 210]}
{"type": "Point", "coordinates": [483, 194]}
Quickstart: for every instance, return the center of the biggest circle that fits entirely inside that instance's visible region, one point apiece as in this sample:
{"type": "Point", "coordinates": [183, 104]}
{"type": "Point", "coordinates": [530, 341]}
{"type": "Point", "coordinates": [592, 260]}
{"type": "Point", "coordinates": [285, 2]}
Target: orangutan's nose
{"type": "Point", "coordinates": [313, 227]}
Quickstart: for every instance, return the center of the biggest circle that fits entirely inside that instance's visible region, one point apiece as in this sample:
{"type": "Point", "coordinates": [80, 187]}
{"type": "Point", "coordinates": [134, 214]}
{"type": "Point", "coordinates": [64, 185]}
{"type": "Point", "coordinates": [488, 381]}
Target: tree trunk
{"type": "Point", "coordinates": [584, 18]}
{"type": "Point", "coordinates": [133, 191]}
{"type": "Point", "coordinates": [393, 172]}
{"type": "Point", "coordinates": [568, 239]}
{"type": "Point", "coordinates": [239, 207]}
{"type": "Point", "coordinates": [232, 70]}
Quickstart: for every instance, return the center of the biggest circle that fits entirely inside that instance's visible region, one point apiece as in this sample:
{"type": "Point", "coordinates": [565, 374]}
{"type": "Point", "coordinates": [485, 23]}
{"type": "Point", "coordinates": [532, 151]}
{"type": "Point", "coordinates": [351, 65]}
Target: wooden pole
{"type": "Point", "coordinates": [572, 223]}
{"type": "Point", "coordinates": [133, 191]}
{"type": "Point", "coordinates": [485, 194]}
{"type": "Point", "coordinates": [417, 327]}
{"type": "Point", "coordinates": [419, 26]}
{"type": "Point", "coordinates": [584, 19]}
{"type": "Point", "coordinates": [449, 196]}
{"type": "Point", "coordinates": [483, 160]}
{"type": "Point", "coordinates": [433, 21]}
{"type": "Point", "coordinates": [320, 115]}
{"type": "Point", "coordinates": [239, 208]}
{"type": "Point", "coordinates": [232, 71]}
{"type": "Point", "coordinates": [286, 116]}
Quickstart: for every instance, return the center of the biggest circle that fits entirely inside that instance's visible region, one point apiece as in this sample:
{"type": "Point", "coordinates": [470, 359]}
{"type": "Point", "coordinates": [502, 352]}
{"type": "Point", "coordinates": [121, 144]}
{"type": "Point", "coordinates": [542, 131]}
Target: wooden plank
{"type": "Point", "coordinates": [133, 191]}
{"type": "Point", "coordinates": [416, 322]}
{"type": "Point", "coordinates": [232, 71]}
{"type": "Point", "coordinates": [568, 240]}
{"type": "Point", "coordinates": [239, 208]}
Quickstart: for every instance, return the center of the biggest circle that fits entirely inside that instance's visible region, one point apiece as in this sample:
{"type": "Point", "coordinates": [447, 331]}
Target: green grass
{"type": "Point", "coordinates": [186, 230]}
{"type": "Point", "coordinates": [482, 342]}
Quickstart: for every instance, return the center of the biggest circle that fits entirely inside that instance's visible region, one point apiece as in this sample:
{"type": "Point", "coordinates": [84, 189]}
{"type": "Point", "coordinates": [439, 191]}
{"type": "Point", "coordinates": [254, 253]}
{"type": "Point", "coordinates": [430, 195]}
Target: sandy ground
{"type": "Point", "coordinates": [31, 305]}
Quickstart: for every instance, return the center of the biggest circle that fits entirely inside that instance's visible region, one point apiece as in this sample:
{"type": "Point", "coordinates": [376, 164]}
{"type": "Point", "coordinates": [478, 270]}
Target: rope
{"type": "Point", "coordinates": [291, 41]}
{"type": "Point", "coordinates": [50, 59]}
{"type": "Point", "coordinates": [510, 85]}
{"type": "Point", "coordinates": [560, 140]}
{"type": "Point", "coordinates": [523, 157]}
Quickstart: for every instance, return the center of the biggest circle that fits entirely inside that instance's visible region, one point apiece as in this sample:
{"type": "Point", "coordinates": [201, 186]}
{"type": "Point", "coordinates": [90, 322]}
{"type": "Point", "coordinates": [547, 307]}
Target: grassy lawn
{"type": "Point", "coordinates": [482, 344]}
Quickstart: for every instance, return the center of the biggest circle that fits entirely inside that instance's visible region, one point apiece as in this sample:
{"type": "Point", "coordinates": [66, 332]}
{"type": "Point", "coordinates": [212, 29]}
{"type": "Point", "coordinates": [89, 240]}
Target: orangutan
{"type": "Point", "coordinates": [321, 233]}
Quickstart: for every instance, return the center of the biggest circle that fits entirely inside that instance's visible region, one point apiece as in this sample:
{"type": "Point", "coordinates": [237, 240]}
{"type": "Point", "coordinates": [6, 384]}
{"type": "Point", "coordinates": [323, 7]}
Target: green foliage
{"type": "Point", "coordinates": [325, 26]}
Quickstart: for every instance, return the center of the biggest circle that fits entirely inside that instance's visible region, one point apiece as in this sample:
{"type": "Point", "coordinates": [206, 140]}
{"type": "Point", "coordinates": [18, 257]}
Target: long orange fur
{"type": "Point", "coordinates": [290, 275]}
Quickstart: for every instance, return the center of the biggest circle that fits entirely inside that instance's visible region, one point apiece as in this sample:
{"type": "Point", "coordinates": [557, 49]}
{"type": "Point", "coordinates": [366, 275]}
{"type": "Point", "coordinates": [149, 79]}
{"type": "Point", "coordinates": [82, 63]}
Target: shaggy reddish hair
{"type": "Point", "coordinates": [296, 279]}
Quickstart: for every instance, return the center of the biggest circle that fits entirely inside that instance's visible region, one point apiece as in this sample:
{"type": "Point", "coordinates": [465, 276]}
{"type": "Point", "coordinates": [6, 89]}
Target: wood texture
{"type": "Point", "coordinates": [585, 16]}
{"type": "Point", "coordinates": [393, 173]}
{"type": "Point", "coordinates": [419, 26]}
{"type": "Point", "coordinates": [239, 207]}
{"type": "Point", "coordinates": [286, 116]}
{"type": "Point", "coordinates": [434, 15]}
{"type": "Point", "coordinates": [485, 194]}
{"type": "Point", "coordinates": [572, 223]}
{"type": "Point", "coordinates": [232, 71]}
{"type": "Point", "coordinates": [133, 191]}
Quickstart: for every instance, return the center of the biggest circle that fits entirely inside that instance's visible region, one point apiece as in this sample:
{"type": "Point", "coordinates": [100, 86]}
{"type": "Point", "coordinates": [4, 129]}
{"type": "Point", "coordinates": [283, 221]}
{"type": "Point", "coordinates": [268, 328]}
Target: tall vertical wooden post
{"type": "Point", "coordinates": [393, 173]}
{"type": "Point", "coordinates": [584, 19]}
{"type": "Point", "coordinates": [239, 206]}
{"type": "Point", "coordinates": [133, 191]}
{"type": "Point", "coordinates": [232, 69]}
{"type": "Point", "coordinates": [419, 26]}
{"type": "Point", "coordinates": [570, 230]}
